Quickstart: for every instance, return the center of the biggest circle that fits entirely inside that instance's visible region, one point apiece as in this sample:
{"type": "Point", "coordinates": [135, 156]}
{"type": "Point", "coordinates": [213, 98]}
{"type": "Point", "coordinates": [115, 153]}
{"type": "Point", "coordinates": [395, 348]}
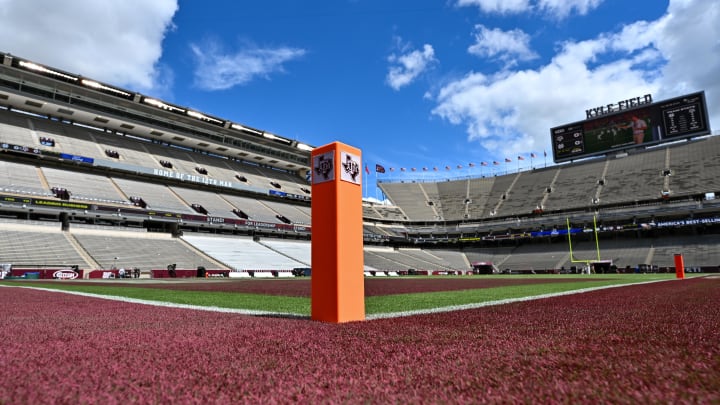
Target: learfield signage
{"type": "Point", "coordinates": [65, 274]}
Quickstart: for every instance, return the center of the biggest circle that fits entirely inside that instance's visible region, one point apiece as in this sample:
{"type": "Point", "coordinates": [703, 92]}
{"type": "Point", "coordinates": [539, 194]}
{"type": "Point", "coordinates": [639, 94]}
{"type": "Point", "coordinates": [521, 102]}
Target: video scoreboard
{"type": "Point", "coordinates": [624, 128]}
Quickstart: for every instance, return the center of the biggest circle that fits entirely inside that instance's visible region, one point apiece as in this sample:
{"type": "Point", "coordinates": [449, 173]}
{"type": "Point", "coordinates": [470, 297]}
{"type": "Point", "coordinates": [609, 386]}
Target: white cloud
{"type": "Point", "coordinates": [219, 70]}
{"type": "Point", "coordinates": [408, 66]}
{"type": "Point", "coordinates": [119, 42]}
{"type": "Point", "coordinates": [511, 112]}
{"type": "Point", "coordinates": [498, 6]}
{"type": "Point", "coordinates": [562, 8]}
{"type": "Point", "coordinates": [688, 36]}
{"type": "Point", "coordinates": [558, 9]}
{"type": "Point", "coordinates": [507, 46]}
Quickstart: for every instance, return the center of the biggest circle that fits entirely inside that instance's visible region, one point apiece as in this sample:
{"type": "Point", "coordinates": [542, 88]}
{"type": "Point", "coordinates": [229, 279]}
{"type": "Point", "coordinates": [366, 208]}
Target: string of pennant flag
{"type": "Point", "coordinates": [381, 169]}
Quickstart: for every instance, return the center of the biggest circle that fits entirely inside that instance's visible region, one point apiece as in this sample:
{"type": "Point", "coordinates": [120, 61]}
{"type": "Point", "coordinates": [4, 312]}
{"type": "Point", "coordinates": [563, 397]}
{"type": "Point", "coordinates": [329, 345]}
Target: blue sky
{"type": "Point", "coordinates": [412, 83]}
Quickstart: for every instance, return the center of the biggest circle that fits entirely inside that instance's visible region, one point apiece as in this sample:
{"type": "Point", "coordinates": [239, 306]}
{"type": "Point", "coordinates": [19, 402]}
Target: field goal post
{"type": "Point", "coordinates": [587, 262]}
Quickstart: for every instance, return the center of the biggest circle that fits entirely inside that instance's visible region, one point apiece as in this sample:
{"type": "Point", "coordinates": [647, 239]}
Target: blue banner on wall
{"type": "Point", "coordinates": [76, 158]}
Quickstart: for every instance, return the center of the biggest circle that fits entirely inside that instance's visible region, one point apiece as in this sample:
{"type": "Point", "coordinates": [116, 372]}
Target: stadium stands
{"type": "Point", "coordinates": [478, 193]}
{"type": "Point", "coordinates": [526, 193]}
{"type": "Point", "coordinates": [694, 167]}
{"type": "Point", "coordinates": [623, 179]}
{"type": "Point", "coordinates": [575, 185]}
{"type": "Point", "coordinates": [35, 244]}
{"type": "Point", "coordinates": [140, 249]}
{"type": "Point", "coordinates": [132, 164]}
{"type": "Point", "coordinates": [22, 179]}
{"type": "Point", "coordinates": [412, 199]}
{"type": "Point", "coordinates": [297, 250]}
{"type": "Point", "coordinates": [242, 253]}
{"type": "Point", "coordinates": [85, 186]}
{"type": "Point", "coordinates": [157, 197]}
{"type": "Point", "coordinates": [636, 177]}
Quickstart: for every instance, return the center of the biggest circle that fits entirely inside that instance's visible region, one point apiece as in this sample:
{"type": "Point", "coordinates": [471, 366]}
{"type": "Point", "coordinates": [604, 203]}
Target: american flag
{"type": "Point", "coordinates": [520, 157]}
{"type": "Point", "coordinates": [508, 160]}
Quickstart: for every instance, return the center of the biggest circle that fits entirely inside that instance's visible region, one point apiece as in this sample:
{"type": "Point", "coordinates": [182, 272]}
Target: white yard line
{"type": "Point", "coordinates": [368, 317]}
{"type": "Point", "coordinates": [168, 304]}
{"type": "Point", "coordinates": [498, 302]}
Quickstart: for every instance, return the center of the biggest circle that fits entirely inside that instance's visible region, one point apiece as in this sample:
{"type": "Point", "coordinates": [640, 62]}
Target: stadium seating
{"type": "Point", "coordinates": [36, 244]}
{"type": "Point", "coordinates": [299, 250]}
{"type": "Point", "coordinates": [694, 167]}
{"type": "Point", "coordinates": [61, 180]}
{"type": "Point", "coordinates": [22, 179]}
{"type": "Point", "coordinates": [242, 253]}
{"type": "Point", "coordinates": [575, 185]}
{"type": "Point", "coordinates": [412, 199]}
{"type": "Point", "coordinates": [85, 186]}
{"type": "Point", "coordinates": [140, 249]}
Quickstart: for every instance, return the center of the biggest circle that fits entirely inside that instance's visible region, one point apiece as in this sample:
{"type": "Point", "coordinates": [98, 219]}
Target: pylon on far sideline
{"type": "Point", "coordinates": [337, 278]}
{"type": "Point", "coordinates": [679, 266]}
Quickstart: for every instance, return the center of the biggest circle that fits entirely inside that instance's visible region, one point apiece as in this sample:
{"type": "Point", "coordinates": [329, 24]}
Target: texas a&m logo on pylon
{"type": "Point", "coordinates": [350, 167]}
{"type": "Point", "coordinates": [323, 167]}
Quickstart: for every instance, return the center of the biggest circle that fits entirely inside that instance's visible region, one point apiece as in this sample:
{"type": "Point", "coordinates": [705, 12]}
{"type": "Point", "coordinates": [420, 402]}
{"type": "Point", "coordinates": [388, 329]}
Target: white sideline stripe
{"type": "Point", "coordinates": [370, 317]}
{"type": "Point", "coordinates": [497, 302]}
{"type": "Point", "coordinates": [168, 304]}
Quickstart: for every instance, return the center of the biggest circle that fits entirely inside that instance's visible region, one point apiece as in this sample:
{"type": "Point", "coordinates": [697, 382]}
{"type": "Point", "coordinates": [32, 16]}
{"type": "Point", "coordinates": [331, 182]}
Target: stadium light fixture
{"type": "Point", "coordinates": [304, 147]}
{"type": "Point", "coordinates": [99, 86]}
{"type": "Point", "coordinates": [268, 135]}
{"type": "Point", "coordinates": [161, 105]}
{"type": "Point", "coordinates": [202, 117]}
{"type": "Point", "coordinates": [246, 129]}
{"type": "Point", "coordinates": [42, 69]}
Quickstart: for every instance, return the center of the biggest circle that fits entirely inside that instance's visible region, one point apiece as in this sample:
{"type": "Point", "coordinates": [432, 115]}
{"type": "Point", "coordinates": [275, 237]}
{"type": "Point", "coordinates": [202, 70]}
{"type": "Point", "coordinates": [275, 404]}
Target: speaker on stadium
{"type": "Point", "coordinates": [64, 221]}
{"type": "Point", "coordinates": [175, 230]}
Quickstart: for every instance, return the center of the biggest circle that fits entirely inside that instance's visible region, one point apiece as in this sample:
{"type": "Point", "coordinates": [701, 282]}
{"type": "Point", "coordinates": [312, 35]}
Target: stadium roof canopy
{"type": "Point", "coordinates": [51, 92]}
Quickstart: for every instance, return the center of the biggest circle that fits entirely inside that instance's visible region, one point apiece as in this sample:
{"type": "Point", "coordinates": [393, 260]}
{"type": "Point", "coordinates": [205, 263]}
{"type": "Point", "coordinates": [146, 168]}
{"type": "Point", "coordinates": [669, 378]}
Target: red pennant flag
{"type": "Point", "coordinates": [367, 169]}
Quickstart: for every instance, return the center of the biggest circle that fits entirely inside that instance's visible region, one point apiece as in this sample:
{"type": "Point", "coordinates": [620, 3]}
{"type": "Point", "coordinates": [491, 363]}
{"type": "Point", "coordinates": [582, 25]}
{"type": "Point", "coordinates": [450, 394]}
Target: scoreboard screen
{"type": "Point", "coordinates": [676, 118]}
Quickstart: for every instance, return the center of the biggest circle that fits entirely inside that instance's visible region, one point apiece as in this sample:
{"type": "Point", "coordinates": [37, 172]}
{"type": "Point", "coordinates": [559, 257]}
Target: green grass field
{"type": "Point", "coordinates": [375, 305]}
